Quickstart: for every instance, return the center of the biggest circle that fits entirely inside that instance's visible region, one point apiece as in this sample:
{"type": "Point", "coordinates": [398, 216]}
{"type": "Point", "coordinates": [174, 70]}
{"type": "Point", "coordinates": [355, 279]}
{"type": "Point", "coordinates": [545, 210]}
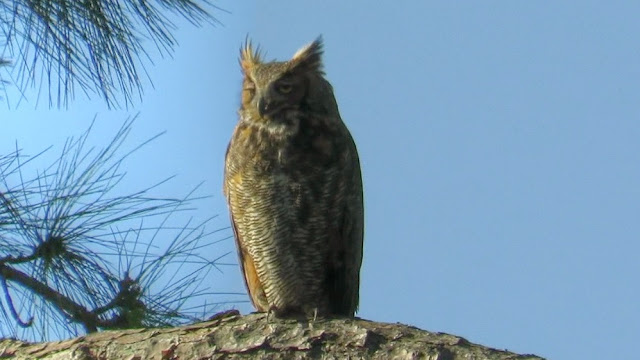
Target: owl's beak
{"type": "Point", "coordinates": [263, 106]}
{"type": "Point", "coordinates": [266, 106]}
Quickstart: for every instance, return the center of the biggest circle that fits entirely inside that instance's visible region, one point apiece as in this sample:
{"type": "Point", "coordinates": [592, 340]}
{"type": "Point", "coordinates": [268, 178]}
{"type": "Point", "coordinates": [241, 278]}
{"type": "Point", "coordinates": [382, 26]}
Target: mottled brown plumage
{"type": "Point", "coordinates": [294, 189]}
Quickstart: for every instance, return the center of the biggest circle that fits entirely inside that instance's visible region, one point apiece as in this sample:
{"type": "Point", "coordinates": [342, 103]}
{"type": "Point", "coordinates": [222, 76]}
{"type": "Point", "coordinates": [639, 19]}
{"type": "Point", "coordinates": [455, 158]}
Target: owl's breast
{"type": "Point", "coordinates": [313, 146]}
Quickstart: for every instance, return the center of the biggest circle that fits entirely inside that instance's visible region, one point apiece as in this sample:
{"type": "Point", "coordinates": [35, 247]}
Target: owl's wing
{"type": "Point", "coordinates": [347, 245]}
{"type": "Point", "coordinates": [249, 273]}
{"type": "Point", "coordinates": [251, 281]}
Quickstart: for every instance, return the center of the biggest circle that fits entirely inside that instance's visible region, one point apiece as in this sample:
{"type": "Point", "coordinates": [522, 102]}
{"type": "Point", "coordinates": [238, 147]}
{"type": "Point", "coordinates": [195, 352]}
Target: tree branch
{"type": "Point", "coordinates": [231, 336]}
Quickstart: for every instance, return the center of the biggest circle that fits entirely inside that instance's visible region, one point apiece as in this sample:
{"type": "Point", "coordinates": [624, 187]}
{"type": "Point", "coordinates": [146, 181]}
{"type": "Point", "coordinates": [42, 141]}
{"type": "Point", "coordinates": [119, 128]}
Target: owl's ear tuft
{"type": "Point", "coordinates": [249, 56]}
{"type": "Point", "coordinates": [309, 57]}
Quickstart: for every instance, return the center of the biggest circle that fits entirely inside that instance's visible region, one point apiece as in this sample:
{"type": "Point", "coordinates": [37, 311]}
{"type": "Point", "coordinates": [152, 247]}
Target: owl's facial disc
{"type": "Point", "coordinates": [279, 97]}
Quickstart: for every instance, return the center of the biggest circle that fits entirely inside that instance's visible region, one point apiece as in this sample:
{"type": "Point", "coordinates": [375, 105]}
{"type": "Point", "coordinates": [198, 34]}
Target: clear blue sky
{"type": "Point", "coordinates": [500, 146]}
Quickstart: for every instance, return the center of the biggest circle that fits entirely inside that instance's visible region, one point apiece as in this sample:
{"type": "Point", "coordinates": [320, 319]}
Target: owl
{"type": "Point", "coordinates": [294, 189]}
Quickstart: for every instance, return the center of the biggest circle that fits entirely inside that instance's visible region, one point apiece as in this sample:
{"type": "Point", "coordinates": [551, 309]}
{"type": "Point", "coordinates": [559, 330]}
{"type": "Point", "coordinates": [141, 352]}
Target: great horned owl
{"type": "Point", "coordinates": [293, 185]}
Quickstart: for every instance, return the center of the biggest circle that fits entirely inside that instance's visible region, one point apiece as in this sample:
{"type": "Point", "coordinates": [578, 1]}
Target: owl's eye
{"type": "Point", "coordinates": [284, 88]}
{"type": "Point", "coordinates": [249, 86]}
{"type": "Point", "coordinates": [248, 91]}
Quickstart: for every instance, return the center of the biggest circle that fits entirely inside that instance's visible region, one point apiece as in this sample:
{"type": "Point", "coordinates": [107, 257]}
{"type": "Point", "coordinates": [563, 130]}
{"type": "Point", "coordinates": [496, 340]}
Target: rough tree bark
{"type": "Point", "coordinates": [231, 336]}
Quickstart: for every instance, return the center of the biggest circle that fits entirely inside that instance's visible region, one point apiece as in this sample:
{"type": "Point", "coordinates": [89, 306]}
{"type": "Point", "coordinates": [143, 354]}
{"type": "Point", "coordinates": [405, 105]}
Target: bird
{"type": "Point", "coordinates": [293, 185]}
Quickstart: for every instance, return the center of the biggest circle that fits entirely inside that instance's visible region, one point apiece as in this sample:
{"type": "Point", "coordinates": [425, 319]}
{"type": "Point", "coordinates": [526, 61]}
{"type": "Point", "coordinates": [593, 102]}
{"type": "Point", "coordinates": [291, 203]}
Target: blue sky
{"type": "Point", "coordinates": [499, 143]}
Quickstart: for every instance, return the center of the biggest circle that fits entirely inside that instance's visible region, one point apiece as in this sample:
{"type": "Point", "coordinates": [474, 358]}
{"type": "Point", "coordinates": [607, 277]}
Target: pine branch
{"type": "Point", "coordinates": [231, 336]}
{"type": "Point", "coordinates": [74, 258]}
{"type": "Point", "coordinates": [94, 46]}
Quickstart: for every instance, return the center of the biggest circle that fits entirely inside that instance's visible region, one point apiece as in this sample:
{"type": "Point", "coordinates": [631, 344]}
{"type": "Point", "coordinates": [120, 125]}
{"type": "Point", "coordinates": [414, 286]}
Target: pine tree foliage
{"type": "Point", "coordinates": [78, 255]}
{"type": "Point", "coordinates": [91, 46]}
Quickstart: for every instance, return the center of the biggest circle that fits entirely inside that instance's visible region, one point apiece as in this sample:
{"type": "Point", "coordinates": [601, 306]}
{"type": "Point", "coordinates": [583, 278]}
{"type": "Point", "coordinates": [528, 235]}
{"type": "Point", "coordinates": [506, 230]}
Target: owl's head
{"type": "Point", "coordinates": [271, 90]}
